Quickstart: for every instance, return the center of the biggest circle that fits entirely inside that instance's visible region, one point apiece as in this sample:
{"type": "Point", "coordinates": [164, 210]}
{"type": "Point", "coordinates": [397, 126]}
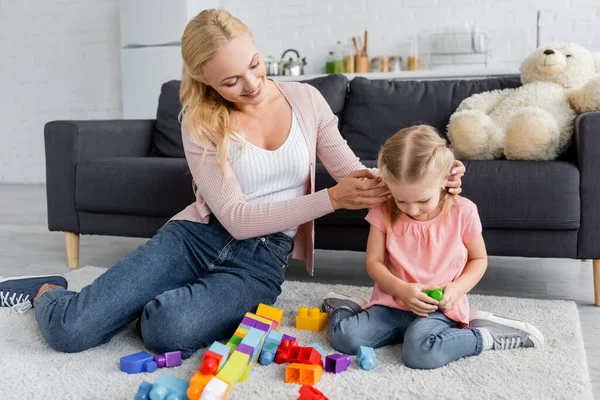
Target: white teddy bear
{"type": "Point", "coordinates": [534, 121]}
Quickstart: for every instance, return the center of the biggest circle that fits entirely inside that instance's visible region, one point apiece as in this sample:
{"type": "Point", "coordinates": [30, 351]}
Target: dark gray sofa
{"type": "Point", "coordinates": [128, 177]}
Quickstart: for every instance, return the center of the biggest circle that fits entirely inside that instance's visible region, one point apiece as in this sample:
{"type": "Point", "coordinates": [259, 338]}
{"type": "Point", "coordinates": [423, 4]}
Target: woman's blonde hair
{"type": "Point", "coordinates": [413, 155]}
{"type": "Point", "coordinates": [207, 114]}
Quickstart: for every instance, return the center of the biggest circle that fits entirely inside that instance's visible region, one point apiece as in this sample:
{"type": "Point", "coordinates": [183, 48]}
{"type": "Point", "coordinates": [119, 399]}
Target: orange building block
{"type": "Point", "coordinates": [313, 320]}
{"type": "Point", "coordinates": [304, 374]}
{"type": "Point", "coordinates": [197, 385]}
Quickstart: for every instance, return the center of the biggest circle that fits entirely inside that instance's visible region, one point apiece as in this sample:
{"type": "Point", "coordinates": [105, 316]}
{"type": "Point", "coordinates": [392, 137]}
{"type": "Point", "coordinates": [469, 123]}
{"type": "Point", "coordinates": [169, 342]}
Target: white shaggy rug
{"type": "Point", "coordinates": [31, 370]}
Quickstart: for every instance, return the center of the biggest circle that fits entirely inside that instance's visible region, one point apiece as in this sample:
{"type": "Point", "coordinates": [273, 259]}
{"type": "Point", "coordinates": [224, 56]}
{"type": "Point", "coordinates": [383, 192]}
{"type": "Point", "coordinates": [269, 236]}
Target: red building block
{"type": "Point", "coordinates": [305, 355]}
{"type": "Point", "coordinates": [310, 393]}
{"type": "Point", "coordinates": [210, 363]}
{"type": "Point", "coordinates": [283, 351]}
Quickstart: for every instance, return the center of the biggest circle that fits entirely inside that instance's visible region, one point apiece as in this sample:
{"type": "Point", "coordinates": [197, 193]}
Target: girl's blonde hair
{"type": "Point", "coordinates": [207, 114]}
{"type": "Point", "coordinates": [413, 155]}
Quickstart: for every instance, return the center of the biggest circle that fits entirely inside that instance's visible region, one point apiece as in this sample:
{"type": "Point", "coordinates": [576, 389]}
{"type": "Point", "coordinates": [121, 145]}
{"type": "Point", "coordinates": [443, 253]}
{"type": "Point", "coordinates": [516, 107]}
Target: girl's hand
{"type": "Point", "coordinates": [452, 293]}
{"type": "Point", "coordinates": [359, 189]}
{"type": "Point", "coordinates": [454, 182]}
{"type": "Point", "coordinates": [412, 296]}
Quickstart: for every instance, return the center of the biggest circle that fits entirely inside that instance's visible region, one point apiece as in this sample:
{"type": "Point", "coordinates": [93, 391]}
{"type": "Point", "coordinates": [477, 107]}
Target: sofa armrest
{"type": "Point", "coordinates": [587, 139]}
{"type": "Point", "coordinates": [67, 143]}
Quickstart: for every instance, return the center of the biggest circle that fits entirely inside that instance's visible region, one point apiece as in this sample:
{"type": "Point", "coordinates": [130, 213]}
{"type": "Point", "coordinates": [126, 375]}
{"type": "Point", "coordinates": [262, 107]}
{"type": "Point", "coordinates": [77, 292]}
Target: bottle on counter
{"type": "Point", "coordinates": [335, 60]}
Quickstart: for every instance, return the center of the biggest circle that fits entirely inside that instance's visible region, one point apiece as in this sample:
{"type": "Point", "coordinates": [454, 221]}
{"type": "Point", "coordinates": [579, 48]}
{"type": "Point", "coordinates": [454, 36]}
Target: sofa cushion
{"type": "Point", "coordinates": [150, 186]}
{"type": "Point", "coordinates": [334, 89]}
{"type": "Point", "coordinates": [166, 138]}
{"type": "Point", "coordinates": [508, 194]}
{"type": "Point", "coordinates": [376, 109]}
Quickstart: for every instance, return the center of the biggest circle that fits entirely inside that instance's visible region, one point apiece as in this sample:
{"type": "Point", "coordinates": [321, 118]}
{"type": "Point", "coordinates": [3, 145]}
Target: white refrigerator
{"type": "Point", "coordinates": [151, 49]}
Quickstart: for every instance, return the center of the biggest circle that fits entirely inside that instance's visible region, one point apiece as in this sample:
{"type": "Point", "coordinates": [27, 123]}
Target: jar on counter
{"type": "Point", "coordinates": [375, 64]}
{"type": "Point", "coordinates": [395, 64]}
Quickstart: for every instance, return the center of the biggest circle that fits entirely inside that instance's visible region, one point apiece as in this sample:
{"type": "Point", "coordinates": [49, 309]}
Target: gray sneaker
{"type": "Point", "coordinates": [332, 301]}
{"type": "Point", "coordinates": [18, 292]}
{"type": "Point", "coordinates": [507, 333]}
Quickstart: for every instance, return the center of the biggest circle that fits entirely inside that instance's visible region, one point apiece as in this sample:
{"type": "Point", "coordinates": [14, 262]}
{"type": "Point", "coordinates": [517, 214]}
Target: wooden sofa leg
{"type": "Point", "coordinates": [597, 282]}
{"type": "Point", "coordinates": [72, 240]}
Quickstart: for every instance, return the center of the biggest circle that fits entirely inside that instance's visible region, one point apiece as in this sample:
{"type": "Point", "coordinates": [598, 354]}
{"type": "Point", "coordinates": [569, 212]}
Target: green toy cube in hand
{"type": "Point", "coordinates": [437, 294]}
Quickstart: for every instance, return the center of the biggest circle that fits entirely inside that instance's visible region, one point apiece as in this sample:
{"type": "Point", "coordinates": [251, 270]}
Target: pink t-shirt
{"type": "Point", "coordinates": [427, 252]}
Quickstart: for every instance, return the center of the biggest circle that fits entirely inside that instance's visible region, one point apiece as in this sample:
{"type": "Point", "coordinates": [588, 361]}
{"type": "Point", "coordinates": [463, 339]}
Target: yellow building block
{"type": "Point", "coordinates": [259, 318]}
{"type": "Point", "coordinates": [276, 314]}
{"type": "Point", "coordinates": [234, 368]}
{"type": "Point", "coordinates": [313, 320]}
{"type": "Point", "coordinates": [241, 332]}
{"type": "Point", "coordinates": [232, 347]}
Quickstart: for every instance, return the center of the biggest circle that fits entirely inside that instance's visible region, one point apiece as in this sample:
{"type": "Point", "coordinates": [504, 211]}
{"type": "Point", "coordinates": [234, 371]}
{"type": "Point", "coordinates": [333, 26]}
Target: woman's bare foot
{"type": "Point", "coordinates": [45, 287]}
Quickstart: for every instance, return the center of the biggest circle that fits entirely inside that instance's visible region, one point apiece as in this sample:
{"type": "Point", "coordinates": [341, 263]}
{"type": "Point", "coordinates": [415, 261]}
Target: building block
{"type": "Point", "coordinates": [231, 347]}
{"type": "Point", "coordinates": [244, 348]}
{"type": "Point", "coordinates": [236, 339]}
{"type": "Point", "coordinates": [249, 322]}
{"type": "Point", "coordinates": [337, 363]}
{"type": "Point", "coordinates": [255, 356]}
{"type": "Point", "coordinates": [222, 350]}
{"type": "Point", "coordinates": [437, 294]}
{"type": "Point", "coordinates": [303, 373]}
{"type": "Point", "coordinates": [311, 320]}
{"type": "Point", "coordinates": [216, 389]}
{"type": "Point", "coordinates": [262, 326]}
{"type": "Point", "coordinates": [288, 337]}
{"type": "Point", "coordinates": [273, 313]}
{"type": "Point", "coordinates": [366, 357]}
{"type": "Point", "coordinates": [169, 386]}
{"type": "Point", "coordinates": [211, 363]}
{"type": "Point", "coordinates": [197, 385]}
{"type": "Point", "coordinates": [305, 355]}
{"type": "Point", "coordinates": [234, 368]}
{"type": "Point", "coordinates": [319, 348]}
{"type": "Point", "coordinates": [264, 320]}
{"type": "Point", "coordinates": [254, 338]}
{"type": "Point", "coordinates": [272, 341]}
{"type": "Point", "coordinates": [283, 351]}
{"type": "Point", "coordinates": [143, 392]}
{"type": "Point", "coordinates": [310, 393]}
{"type": "Point", "coordinates": [170, 359]}
{"type": "Point", "coordinates": [241, 332]}
{"type": "Point", "coordinates": [137, 363]}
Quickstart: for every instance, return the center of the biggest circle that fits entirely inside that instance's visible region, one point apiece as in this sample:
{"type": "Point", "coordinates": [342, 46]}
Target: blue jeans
{"type": "Point", "coordinates": [189, 285]}
{"type": "Point", "coordinates": [428, 343]}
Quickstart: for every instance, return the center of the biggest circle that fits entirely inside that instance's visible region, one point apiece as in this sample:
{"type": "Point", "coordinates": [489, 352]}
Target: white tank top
{"type": "Point", "coordinates": [268, 176]}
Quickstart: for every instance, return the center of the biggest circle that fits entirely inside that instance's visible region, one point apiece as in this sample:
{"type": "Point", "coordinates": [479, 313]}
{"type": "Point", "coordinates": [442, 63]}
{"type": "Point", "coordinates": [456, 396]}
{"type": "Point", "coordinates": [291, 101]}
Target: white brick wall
{"type": "Point", "coordinates": [59, 59]}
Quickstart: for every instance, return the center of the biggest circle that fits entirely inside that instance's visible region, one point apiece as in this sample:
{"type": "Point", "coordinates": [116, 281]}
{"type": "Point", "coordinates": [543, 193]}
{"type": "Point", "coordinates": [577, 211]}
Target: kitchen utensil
{"type": "Point", "coordinates": [292, 67]}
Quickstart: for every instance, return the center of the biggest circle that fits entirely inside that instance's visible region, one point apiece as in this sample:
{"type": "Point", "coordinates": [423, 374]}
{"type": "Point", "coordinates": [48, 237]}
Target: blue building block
{"type": "Point", "coordinates": [272, 341]}
{"type": "Point", "coordinates": [319, 348]}
{"type": "Point", "coordinates": [221, 349]}
{"type": "Point", "coordinates": [143, 392]}
{"type": "Point", "coordinates": [138, 362]}
{"type": "Point", "coordinates": [169, 387]}
{"type": "Point", "coordinates": [253, 338]}
{"type": "Point", "coordinates": [366, 357]}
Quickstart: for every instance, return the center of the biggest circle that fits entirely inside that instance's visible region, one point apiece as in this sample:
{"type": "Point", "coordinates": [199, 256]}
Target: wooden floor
{"type": "Point", "coordinates": [27, 247]}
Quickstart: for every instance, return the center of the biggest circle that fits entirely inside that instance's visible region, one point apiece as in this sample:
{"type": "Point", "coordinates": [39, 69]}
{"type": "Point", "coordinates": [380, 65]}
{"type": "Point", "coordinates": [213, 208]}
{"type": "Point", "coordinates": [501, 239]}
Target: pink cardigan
{"type": "Point", "coordinates": [224, 198]}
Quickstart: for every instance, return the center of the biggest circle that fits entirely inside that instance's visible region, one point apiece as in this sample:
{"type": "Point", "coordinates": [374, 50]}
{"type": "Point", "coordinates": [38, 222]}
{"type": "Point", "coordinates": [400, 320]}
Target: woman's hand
{"type": "Point", "coordinates": [413, 298]}
{"type": "Point", "coordinates": [359, 189]}
{"type": "Point", "coordinates": [454, 182]}
{"type": "Point", "coordinates": [452, 293]}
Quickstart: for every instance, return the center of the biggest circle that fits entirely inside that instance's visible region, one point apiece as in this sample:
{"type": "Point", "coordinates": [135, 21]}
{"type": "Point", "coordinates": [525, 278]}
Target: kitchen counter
{"type": "Point", "coordinates": [424, 74]}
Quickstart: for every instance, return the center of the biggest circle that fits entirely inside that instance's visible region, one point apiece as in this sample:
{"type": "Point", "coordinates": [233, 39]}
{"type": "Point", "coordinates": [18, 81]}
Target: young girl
{"type": "Point", "coordinates": [423, 238]}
